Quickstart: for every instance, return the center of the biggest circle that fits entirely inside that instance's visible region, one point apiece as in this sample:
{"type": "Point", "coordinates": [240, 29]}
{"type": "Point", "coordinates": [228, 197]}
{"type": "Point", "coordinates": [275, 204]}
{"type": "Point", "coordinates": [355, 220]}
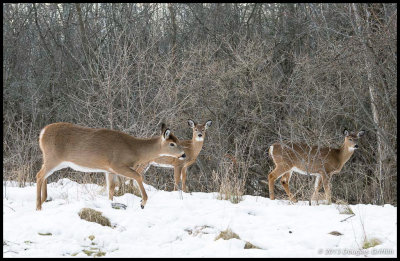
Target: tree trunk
{"type": "Point", "coordinates": [363, 33]}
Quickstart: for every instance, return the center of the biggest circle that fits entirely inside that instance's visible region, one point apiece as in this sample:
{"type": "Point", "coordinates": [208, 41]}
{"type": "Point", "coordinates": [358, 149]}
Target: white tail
{"type": "Point", "coordinates": [301, 158]}
{"type": "Point", "coordinates": [192, 149]}
{"type": "Point", "coordinates": [99, 150]}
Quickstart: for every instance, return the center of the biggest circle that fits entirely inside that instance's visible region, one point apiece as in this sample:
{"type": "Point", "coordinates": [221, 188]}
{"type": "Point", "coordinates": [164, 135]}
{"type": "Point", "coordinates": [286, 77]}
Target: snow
{"type": "Point", "coordinates": [178, 224]}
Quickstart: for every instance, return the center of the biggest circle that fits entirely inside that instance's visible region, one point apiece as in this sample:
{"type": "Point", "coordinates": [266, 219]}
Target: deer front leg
{"type": "Point", "coordinates": [184, 178]}
{"type": "Point", "coordinates": [129, 173]}
{"type": "Point", "coordinates": [111, 180]}
{"type": "Point", "coordinates": [177, 177]}
{"type": "Point", "coordinates": [285, 183]}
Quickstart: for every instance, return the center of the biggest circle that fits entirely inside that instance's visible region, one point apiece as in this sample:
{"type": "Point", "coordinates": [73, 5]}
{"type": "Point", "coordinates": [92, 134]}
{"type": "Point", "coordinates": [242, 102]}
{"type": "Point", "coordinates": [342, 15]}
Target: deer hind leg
{"type": "Point", "coordinates": [177, 177]}
{"type": "Point", "coordinates": [41, 183]}
{"type": "Point", "coordinates": [275, 174]}
{"type": "Point", "coordinates": [129, 173]}
{"type": "Point", "coordinates": [285, 183]}
{"type": "Point", "coordinates": [44, 190]}
{"type": "Point", "coordinates": [326, 184]}
{"type": "Point", "coordinates": [317, 187]}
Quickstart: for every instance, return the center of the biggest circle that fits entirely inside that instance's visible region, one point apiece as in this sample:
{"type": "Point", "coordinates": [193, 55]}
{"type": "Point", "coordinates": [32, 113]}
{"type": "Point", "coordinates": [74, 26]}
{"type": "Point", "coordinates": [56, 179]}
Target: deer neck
{"type": "Point", "coordinates": [148, 149]}
{"type": "Point", "coordinates": [197, 145]}
{"type": "Point", "coordinates": [345, 153]}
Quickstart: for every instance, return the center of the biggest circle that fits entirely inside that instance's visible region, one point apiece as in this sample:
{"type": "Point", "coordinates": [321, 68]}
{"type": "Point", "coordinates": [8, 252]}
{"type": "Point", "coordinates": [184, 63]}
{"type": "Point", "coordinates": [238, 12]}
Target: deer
{"type": "Point", "coordinates": [192, 149]}
{"type": "Point", "coordinates": [100, 150]}
{"type": "Point", "coordinates": [305, 159]}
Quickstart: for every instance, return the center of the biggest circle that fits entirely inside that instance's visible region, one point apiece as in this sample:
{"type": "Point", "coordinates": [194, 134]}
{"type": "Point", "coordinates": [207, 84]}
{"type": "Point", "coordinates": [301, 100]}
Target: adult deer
{"type": "Point", "coordinates": [99, 150]}
{"type": "Point", "coordinates": [192, 149]}
{"type": "Point", "coordinates": [303, 159]}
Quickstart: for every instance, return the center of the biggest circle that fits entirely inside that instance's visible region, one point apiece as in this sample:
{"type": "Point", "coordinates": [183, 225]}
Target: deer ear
{"type": "Point", "coordinates": [208, 124]}
{"type": "Point", "coordinates": [163, 128]}
{"type": "Point", "coordinates": [166, 134]}
{"type": "Point", "coordinates": [346, 132]}
{"type": "Point", "coordinates": [360, 133]}
{"type": "Point", "coordinates": [191, 123]}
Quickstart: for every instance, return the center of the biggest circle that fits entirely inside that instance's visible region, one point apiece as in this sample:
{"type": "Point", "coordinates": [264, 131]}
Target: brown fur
{"type": "Point", "coordinates": [313, 160]}
{"type": "Point", "coordinates": [102, 149]}
{"type": "Point", "coordinates": [192, 149]}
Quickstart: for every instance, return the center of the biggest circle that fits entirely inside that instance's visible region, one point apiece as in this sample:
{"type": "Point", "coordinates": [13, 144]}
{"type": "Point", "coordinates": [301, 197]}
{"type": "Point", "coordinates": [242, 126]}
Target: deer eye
{"type": "Point", "coordinates": [351, 139]}
{"type": "Point", "coordinates": [172, 144]}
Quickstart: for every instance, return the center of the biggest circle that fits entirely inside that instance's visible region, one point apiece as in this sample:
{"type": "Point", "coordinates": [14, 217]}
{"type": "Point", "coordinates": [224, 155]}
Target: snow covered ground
{"type": "Point", "coordinates": [171, 226]}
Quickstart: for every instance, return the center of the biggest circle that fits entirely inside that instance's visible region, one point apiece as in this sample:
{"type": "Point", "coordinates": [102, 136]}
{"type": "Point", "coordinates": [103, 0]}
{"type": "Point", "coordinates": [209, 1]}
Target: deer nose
{"type": "Point", "coordinates": [183, 156]}
{"type": "Point", "coordinates": [356, 146]}
{"type": "Point", "coordinates": [200, 135]}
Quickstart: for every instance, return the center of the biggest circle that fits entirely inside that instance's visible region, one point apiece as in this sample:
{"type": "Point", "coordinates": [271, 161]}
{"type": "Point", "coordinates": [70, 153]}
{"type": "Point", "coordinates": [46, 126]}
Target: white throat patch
{"type": "Point", "coordinates": [351, 149]}
{"type": "Point", "coordinates": [165, 155]}
{"type": "Point", "coordinates": [160, 165]}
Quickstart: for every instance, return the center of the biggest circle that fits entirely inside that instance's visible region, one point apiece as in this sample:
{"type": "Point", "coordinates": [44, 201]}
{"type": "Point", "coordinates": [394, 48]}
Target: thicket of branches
{"type": "Point", "coordinates": [261, 72]}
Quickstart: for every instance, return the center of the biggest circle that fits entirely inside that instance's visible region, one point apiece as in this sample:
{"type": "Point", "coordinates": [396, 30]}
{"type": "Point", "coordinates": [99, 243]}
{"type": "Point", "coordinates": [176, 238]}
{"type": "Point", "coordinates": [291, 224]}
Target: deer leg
{"type": "Point", "coordinates": [184, 178]}
{"type": "Point", "coordinates": [44, 190]}
{"type": "Point", "coordinates": [177, 176]}
{"type": "Point", "coordinates": [130, 173]}
{"type": "Point", "coordinates": [285, 183]}
{"type": "Point", "coordinates": [317, 187]}
{"type": "Point", "coordinates": [276, 173]}
{"type": "Point", "coordinates": [41, 183]}
{"type": "Point", "coordinates": [111, 183]}
{"type": "Point", "coordinates": [141, 169]}
{"type": "Point", "coordinates": [326, 184]}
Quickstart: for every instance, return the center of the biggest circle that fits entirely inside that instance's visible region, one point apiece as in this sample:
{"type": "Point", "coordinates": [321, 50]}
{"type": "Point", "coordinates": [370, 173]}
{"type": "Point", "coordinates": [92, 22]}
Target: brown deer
{"type": "Point", "coordinates": [99, 150]}
{"type": "Point", "coordinates": [192, 149]}
{"type": "Point", "coordinates": [303, 159]}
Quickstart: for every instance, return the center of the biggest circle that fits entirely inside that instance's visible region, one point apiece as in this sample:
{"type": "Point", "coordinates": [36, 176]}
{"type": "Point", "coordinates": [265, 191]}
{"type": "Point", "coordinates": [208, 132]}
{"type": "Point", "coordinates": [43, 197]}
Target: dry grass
{"type": "Point", "coordinates": [230, 180]}
{"type": "Point", "coordinates": [92, 215]}
{"type": "Point", "coordinates": [370, 242]}
{"type": "Point", "coordinates": [45, 234]}
{"type": "Point", "coordinates": [227, 234]}
{"type": "Point", "coordinates": [344, 207]}
{"type": "Point", "coordinates": [197, 230]}
{"type": "Point", "coordinates": [95, 252]}
{"type": "Point", "coordinates": [249, 245]}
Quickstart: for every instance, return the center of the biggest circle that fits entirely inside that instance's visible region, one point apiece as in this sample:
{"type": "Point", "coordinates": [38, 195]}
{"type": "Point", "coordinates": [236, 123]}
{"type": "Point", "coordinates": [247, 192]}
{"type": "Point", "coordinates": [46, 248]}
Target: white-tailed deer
{"type": "Point", "coordinates": [99, 150]}
{"type": "Point", "coordinates": [192, 149]}
{"type": "Point", "coordinates": [304, 159]}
